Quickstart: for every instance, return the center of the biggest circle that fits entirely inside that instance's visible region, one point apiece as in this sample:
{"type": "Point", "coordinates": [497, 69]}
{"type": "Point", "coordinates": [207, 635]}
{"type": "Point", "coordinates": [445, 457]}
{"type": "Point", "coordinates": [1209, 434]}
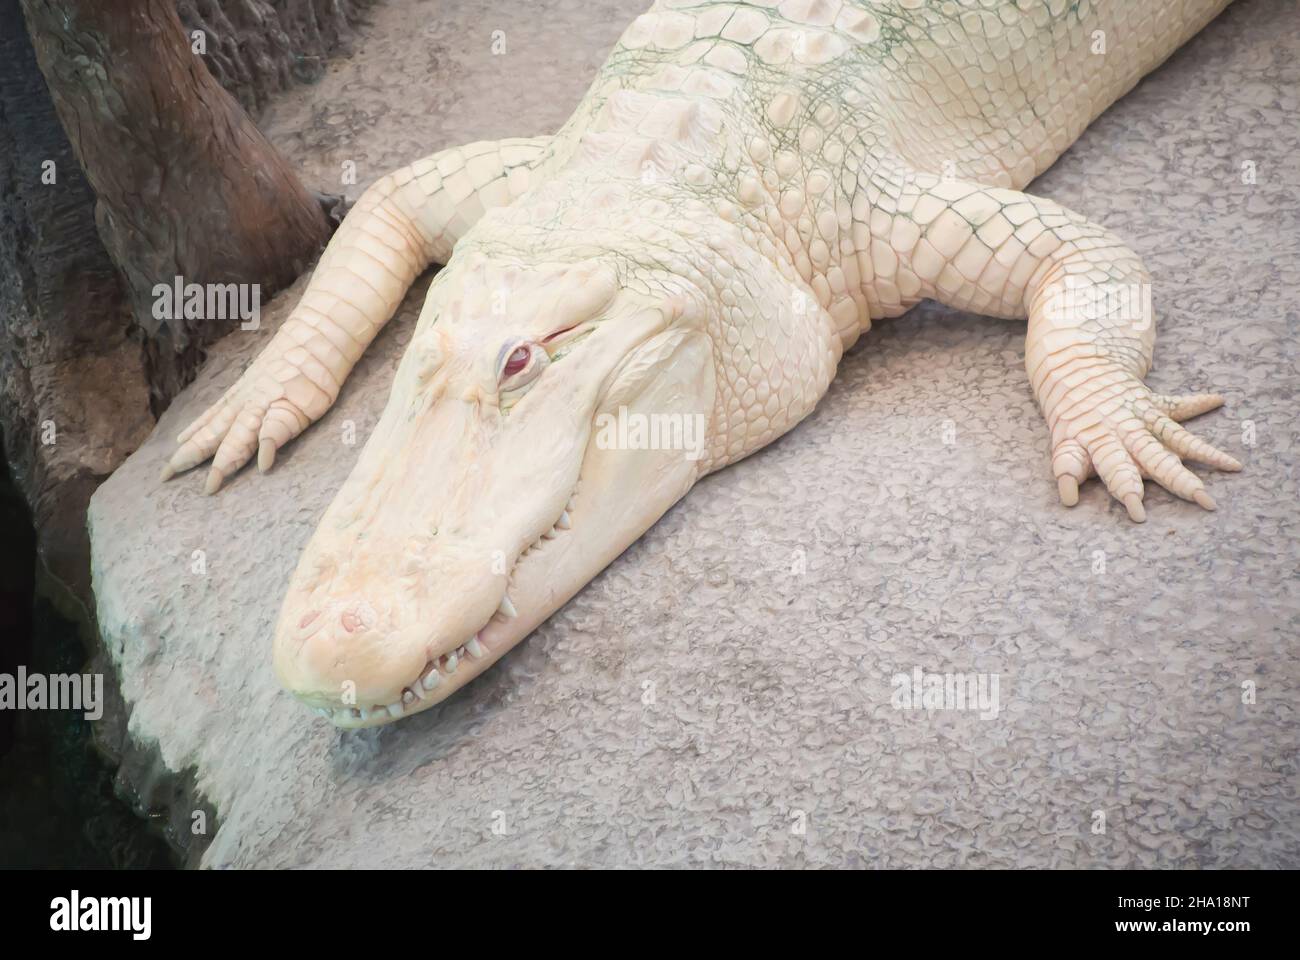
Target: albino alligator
{"type": "Point", "coordinates": [745, 188]}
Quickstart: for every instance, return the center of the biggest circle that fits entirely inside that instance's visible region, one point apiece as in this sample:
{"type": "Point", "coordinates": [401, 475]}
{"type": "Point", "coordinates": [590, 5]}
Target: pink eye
{"type": "Point", "coordinates": [517, 361]}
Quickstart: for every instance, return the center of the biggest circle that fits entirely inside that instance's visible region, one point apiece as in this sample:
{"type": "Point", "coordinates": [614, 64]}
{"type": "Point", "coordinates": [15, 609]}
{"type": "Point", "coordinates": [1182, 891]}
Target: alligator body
{"type": "Point", "coordinates": [745, 189]}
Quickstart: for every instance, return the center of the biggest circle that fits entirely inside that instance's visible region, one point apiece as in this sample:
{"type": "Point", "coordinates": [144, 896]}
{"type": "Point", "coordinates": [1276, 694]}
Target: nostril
{"type": "Point", "coordinates": [308, 618]}
{"type": "Point", "coordinates": [358, 616]}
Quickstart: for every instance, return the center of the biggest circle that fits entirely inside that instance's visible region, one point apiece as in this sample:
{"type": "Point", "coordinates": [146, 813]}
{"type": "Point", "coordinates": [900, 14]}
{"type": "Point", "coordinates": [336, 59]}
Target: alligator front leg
{"type": "Point", "coordinates": [1090, 338]}
{"type": "Point", "coordinates": [401, 224]}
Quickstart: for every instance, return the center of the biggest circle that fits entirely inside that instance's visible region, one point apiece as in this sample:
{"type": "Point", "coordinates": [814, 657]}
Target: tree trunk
{"type": "Point", "coordinates": [258, 47]}
{"type": "Point", "coordinates": [80, 381]}
{"type": "Point", "coordinates": [186, 186]}
{"type": "Point", "coordinates": [74, 396]}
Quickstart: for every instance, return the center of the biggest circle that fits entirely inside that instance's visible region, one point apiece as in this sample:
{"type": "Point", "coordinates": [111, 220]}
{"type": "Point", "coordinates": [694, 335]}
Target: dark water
{"type": "Point", "coordinates": [57, 802]}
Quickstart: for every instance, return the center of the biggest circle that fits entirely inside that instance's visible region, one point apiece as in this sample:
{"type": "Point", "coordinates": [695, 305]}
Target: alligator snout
{"type": "Point", "coordinates": [436, 556]}
{"type": "Point", "coordinates": [350, 650]}
{"type": "Point", "coordinates": [364, 635]}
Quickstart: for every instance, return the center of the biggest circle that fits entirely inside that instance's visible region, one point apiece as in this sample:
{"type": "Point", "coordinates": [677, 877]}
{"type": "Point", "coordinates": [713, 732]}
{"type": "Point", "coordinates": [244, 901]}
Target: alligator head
{"type": "Point", "coordinates": [500, 479]}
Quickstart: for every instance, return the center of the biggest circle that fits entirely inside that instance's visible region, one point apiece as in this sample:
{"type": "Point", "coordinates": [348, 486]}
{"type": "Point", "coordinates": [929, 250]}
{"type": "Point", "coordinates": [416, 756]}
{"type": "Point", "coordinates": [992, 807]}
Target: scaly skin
{"type": "Point", "coordinates": [745, 188]}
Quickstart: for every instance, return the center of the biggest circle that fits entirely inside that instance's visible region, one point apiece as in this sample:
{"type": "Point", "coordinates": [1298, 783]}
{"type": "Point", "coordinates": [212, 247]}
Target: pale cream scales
{"type": "Point", "coordinates": [745, 188]}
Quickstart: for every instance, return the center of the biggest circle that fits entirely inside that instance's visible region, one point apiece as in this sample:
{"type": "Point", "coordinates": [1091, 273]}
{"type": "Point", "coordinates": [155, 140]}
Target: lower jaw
{"type": "Point", "coordinates": [446, 674]}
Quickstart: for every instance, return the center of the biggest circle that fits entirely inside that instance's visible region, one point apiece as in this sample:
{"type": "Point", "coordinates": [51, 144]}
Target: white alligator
{"type": "Point", "coordinates": [743, 190]}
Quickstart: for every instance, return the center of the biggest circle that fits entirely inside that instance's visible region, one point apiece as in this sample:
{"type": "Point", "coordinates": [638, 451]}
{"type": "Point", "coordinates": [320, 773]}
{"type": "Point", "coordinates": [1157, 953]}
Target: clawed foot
{"type": "Point", "coordinates": [268, 406]}
{"type": "Point", "coordinates": [1116, 428]}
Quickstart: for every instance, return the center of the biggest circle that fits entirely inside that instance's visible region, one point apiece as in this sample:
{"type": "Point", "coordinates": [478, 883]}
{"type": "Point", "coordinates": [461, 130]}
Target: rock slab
{"type": "Point", "coordinates": [727, 681]}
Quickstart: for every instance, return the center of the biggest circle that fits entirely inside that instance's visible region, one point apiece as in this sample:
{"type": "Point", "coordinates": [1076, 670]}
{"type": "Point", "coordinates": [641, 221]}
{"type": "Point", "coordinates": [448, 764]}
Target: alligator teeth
{"type": "Point", "coordinates": [563, 522]}
{"type": "Point", "coordinates": [507, 608]}
{"type": "Point", "coordinates": [428, 680]}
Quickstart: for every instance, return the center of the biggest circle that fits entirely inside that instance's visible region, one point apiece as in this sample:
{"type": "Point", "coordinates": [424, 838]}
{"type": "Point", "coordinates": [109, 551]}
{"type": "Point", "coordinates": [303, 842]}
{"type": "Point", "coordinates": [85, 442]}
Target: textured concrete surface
{"type": "Point", "coordinates": [726, 682]}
